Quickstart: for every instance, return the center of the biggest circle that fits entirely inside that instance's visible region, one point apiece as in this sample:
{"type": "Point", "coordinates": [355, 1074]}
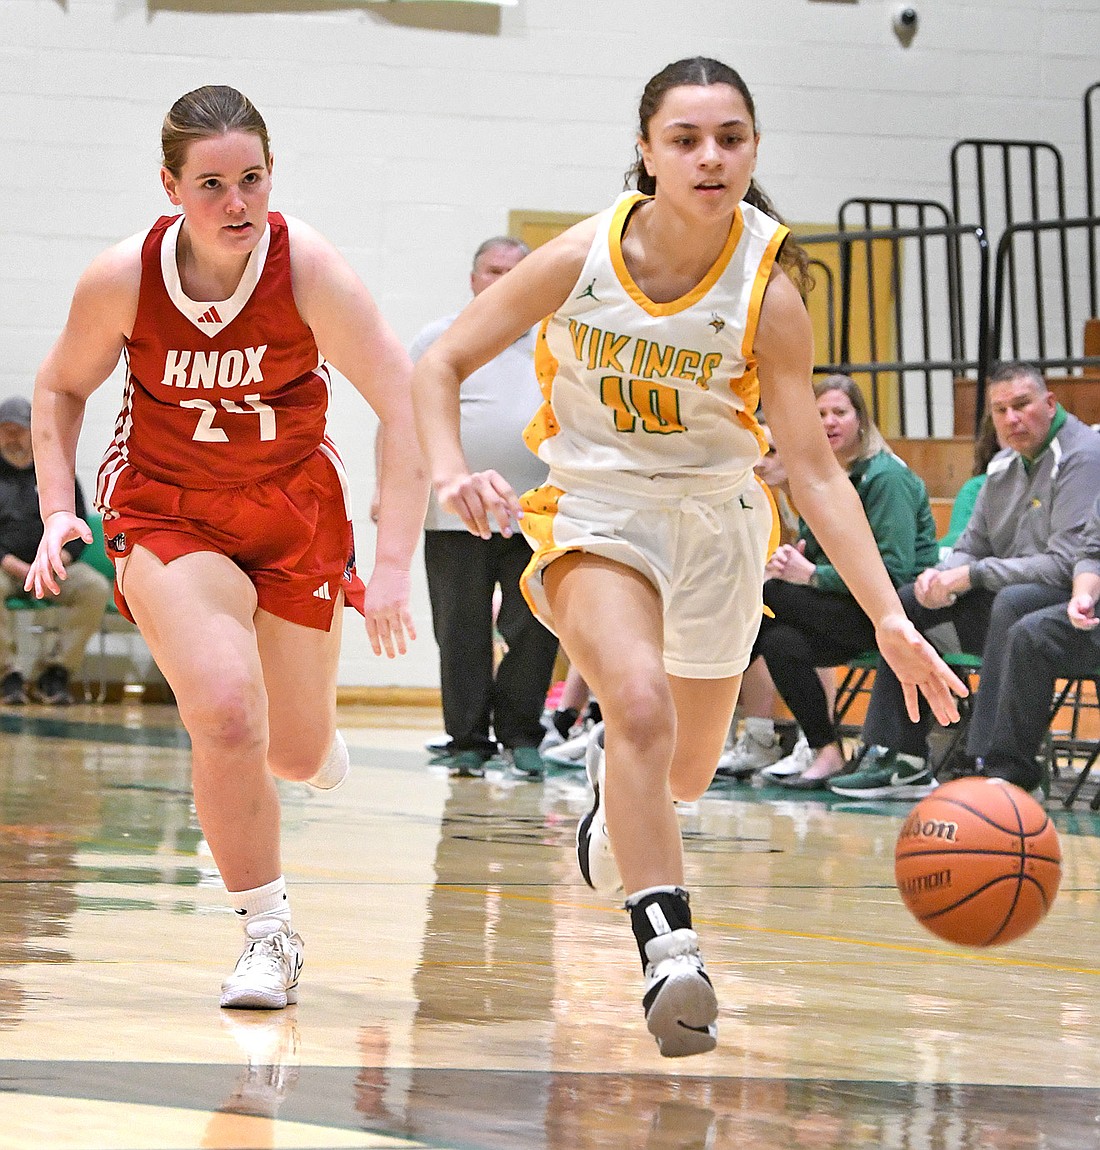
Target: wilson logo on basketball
{"type": "Point", "coordinates": [937, 880]}
{"type": "Point", "coordinates": [915, 828]}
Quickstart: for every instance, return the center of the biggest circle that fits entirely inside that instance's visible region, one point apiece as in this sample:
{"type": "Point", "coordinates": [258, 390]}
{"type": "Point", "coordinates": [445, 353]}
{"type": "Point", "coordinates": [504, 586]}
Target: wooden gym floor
{"type": "Point", "coordinates": [464, 991]}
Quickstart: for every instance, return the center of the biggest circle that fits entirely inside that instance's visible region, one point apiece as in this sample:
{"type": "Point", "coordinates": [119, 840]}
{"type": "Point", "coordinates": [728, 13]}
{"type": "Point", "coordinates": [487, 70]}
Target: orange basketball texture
{"type": "Point", "coordinates": [978, 862]}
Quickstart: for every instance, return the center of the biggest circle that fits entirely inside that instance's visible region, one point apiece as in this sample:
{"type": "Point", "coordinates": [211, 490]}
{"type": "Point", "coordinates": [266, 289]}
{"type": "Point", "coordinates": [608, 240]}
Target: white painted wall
{"type": "Point", "coordinates": [407, 131]}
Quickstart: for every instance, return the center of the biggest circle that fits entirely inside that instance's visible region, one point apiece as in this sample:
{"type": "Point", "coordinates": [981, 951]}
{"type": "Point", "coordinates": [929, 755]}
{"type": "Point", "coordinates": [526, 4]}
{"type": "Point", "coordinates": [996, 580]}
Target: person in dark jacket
{"type": "Point", "coordinates": [1057, 642]}
{"type": "Point", "coordinates": [84, 592]}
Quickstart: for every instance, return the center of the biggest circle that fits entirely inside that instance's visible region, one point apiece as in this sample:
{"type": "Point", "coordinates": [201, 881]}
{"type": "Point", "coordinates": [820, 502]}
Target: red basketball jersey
{"type": "Point", "coordinates": [217, 394]}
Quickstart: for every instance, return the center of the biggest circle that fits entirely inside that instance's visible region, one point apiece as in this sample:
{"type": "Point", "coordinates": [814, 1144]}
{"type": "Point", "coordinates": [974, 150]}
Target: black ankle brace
{"type": "Point", "coordinates": [659, 911]}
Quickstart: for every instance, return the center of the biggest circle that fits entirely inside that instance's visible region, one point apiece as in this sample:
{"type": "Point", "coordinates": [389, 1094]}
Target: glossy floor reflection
{"type": "Point", "coordinates": [463, 990]}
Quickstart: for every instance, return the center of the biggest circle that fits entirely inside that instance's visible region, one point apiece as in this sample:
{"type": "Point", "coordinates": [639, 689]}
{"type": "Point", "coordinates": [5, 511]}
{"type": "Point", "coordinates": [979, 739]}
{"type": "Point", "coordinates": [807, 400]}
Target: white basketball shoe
{"type": "Point", "coordinates": [266, 974]}
{"type": "Point", "coordinates": [681, 1009]}
{"type": "Point", "coordinates": [597, 863]}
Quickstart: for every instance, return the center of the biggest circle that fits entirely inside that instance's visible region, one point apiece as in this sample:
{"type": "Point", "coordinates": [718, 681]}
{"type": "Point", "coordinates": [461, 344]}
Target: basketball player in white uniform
{"type": "Point", "coordinates": [669, 318]}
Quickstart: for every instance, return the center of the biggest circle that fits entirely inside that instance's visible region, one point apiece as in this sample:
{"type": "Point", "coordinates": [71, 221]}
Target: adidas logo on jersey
{"type": "Point", "coordinates": [322, 592]}
{"type": "Point", "coordinates": [210, 316]}
{"type": "Point", "coordinates": [239, 367]}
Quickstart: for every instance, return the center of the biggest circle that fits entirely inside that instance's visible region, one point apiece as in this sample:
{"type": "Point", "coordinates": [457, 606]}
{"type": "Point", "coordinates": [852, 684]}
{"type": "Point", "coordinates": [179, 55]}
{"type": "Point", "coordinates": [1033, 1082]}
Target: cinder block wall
{"type": "Point", "coordinates": [407, 132]}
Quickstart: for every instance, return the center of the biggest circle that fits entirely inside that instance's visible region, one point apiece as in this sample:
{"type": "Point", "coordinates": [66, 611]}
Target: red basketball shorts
{"type": "Point", "coordinates": [290, 534]}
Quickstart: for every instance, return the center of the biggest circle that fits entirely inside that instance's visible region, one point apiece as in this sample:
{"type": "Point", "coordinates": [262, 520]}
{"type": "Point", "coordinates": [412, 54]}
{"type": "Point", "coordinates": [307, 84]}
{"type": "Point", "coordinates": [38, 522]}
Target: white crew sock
{"type": "Point", "coordinates": [263, 909]}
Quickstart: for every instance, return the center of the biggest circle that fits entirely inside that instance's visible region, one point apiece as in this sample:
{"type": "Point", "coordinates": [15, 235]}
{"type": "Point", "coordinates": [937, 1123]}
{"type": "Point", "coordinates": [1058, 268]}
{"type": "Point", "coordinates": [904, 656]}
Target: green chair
{"type": "Point", "coordinates": [858, 679]}
{"type": "Point", "coordinates": [39, 614]}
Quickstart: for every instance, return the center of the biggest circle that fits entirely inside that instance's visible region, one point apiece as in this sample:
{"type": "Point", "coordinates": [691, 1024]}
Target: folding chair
{"type": "Point", "coordinates": [858, 677]}
{"type": "Point", "coordinates": [40, 619]}
{"type": "Point", "coordinates": [1071, 742]}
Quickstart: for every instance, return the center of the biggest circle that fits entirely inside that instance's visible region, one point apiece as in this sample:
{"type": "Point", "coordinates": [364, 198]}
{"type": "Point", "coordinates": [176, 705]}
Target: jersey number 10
{"type": "Point", "coordinates": [655, 404]}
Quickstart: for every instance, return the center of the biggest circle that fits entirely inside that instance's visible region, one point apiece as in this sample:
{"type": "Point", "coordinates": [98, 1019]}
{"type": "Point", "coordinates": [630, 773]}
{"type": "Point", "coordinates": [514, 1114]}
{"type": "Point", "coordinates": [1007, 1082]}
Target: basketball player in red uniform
{"type": "Point", "coordinates": [224, 502]}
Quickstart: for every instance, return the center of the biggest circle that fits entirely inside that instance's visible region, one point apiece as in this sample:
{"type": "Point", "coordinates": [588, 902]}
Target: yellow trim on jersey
{"type": "Point", "coordinates": [546, 363]}
{"type": "Point", "coordinates": [774, 537]}
{"type": "Point", "coordinates": [747, 386]}
{"type": "Point", "coordinates": [540, 505]}
{"type": "Point", "coordinates": [756, 299]}
{"type": "Point", "coordinates": [543, 423]}
{"type": "Point", "coordinates": [776, 531]}
{"type": "Point", "coordinates": [673, 307]}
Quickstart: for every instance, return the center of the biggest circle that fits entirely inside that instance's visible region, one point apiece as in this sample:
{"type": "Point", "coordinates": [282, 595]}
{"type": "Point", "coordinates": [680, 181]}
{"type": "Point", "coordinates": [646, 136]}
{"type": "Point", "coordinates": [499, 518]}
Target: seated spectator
{"type": "Point", "coordinates": [758, 744]}
{"type": "Point", "coordinates": [84, 592]}
{"type": "Point", "coordinates": [817, 622]}
{"type": "Point", "coordinates": [1056, 642]}
{"type": "Point", "coordinates": [752, 743]}
{"type": "Point", "coordinates": [1015, 556]}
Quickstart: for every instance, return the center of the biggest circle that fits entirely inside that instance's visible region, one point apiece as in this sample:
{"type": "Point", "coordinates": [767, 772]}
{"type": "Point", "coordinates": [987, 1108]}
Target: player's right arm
{"type": "Point", "coordinates": [491, 322]}
{"type": "Point", "coordinates": [101, 317]}
{"type": "Point", "coordinates": [826, 499]}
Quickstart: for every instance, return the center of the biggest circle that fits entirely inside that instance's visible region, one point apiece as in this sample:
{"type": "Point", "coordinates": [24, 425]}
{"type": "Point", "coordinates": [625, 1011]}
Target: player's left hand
{"type": "Point", "coordinates": [918, 667]}
{"type": "Point", "coordinates": [386, 611]}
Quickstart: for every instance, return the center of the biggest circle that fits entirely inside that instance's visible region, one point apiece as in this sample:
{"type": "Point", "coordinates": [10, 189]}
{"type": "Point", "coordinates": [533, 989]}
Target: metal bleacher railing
{"type": "Point", "coordinates": [934, 308]}
{"type": "Point", "coordinates": [1003, 273]}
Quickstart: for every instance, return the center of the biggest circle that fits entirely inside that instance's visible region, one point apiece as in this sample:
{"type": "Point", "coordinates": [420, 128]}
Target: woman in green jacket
{"type": "Point", "coordinates": [817, 622]}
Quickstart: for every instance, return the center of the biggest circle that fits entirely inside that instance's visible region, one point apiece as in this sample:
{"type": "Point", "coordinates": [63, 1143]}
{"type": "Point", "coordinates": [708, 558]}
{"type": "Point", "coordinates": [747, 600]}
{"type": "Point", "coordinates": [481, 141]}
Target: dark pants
{"type": "Point", "coordinates": [463, 572]}
{"type": "Point", "coordinates": [1041, 647]}
{"type": "Point", "coordinates": [982, 621]}
{"type": "Point", "coordinates": [811, 629]}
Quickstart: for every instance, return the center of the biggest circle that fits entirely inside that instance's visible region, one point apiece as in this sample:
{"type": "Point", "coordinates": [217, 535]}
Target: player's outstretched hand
{"type": "Point", "coordinates": [386, 611]}
{"type": "Point", "coordinates": [481, 499]}
{"type": "Point", "coordinates": [48, 569]}
{"type": "Point", "coordinates": [918, 667]}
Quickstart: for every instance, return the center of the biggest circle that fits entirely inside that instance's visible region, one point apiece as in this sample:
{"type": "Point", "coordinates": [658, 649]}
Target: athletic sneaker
{"type": "Point", "coordinates": [527, 761]}
{"type": "Point", "coordinates": [465, 764]}
{"type": "Point", "coordinates": [1036, 783]}
{"type": "Point", "coordinates": [681, 1010]}
{"type": "Point", "coordinates": [572, 752]}
{"type": "Point", "coordinates": [597, 863]}
{"type": "Point", "coordinates": [1041, 791]}
{"type": "Point", "coordinates": [886, 774]}
{"type": "Point", "coordinates": [53, 688]}
{"type": "Point", "coordinates": [13, 690]}
{"type": "Point", "coordinates": [266, 974]}
{"type": "Point", "coordinates": [550, 740]}
{"type": "Point", "coordinates": [793, 764]}
{"type": "Point", "coordinates": [749, 754]}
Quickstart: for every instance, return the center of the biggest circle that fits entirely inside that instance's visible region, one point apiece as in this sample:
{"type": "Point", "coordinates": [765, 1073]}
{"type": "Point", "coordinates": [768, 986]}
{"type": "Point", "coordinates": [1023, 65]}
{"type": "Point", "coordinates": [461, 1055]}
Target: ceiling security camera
{"type": "Point", "coordinates": [906, 20]}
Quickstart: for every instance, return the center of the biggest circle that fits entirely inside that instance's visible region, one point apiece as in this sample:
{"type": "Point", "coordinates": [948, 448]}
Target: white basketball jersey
{"type": "Point", "coordinates": [655, 398]}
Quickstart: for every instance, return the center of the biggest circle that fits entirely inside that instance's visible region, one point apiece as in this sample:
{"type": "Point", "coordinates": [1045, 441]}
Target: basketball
{"type": "Point", "coordinates": [978, 862]}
